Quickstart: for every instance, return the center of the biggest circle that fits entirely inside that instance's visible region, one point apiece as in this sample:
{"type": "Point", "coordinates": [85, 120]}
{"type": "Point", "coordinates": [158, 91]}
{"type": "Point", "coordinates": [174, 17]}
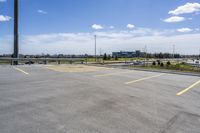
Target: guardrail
{"type": "Point", "coordinates": [43, 60]}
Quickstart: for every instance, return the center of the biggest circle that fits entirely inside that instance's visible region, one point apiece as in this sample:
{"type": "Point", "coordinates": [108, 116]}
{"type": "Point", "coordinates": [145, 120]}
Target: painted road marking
{"type": "Point", "coordinates": [76, 68]}
{"type": "Point", "coordinates": [18, 69]}
{"type": "Point", "coordinates": [187, 89]}
{"type": "Point", "coordinates": [142, 79]}
{"type": "Point", "coordinates": [111, 74]}
{"type": "Point", "coordinates": [52, 69]}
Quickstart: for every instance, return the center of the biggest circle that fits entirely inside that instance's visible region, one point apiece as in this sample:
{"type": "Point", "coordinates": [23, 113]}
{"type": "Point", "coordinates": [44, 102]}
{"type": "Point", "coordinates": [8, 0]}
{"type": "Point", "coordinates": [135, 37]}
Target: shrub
{"type": "Point", "coordinates": [162, 64]}
{"type": "Point", "coordinates": [154, 63]}
{"type": "Point", "coordinates": [182, 63]}
{"type": "Point", "coordinates": [168, 63]}
{"type": "Point", "coordinates": [158, 61]}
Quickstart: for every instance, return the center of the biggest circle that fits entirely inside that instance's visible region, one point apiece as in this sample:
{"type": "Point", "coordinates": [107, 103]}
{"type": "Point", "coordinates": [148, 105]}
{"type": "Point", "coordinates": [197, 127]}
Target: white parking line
{"type": "Point", "coordinates": [18, 69]}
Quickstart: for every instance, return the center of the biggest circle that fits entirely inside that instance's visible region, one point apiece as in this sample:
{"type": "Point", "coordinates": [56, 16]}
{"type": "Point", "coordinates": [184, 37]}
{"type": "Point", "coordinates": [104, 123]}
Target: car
{"type": "Point", "coordinates": [29, 62]}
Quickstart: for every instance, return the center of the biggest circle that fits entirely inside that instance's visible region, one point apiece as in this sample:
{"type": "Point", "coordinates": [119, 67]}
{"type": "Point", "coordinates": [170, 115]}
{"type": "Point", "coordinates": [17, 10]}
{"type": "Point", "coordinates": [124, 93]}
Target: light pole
{"type": "Point", "coordinates": [16, 47]}
{"type": "Point", "coordinates": [146, 54]}
{"type": "Point", "coordinates": [95, 47]}
{"type": "Point", "coordinates": [199, 54]}
{"type": "Point", "coordinates": [173, 51]}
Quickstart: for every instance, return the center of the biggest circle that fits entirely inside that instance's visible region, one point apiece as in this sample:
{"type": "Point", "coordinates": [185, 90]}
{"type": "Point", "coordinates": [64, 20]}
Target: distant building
{"type": "Point", "coordinates": [127, 54]}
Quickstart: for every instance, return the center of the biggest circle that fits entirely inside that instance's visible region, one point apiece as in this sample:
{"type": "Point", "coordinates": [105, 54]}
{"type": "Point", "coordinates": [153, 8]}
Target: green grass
{"type": "Point", "coordinates": [4, 62]}
{"type": "Point", "coordinates": [178, 67]}
{"type": "Point", "coordinates": [113, 59]}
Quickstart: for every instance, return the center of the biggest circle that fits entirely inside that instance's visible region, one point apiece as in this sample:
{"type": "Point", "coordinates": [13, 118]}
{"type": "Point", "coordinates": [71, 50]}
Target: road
{"type": "Point", "coordinates": [56, 99]}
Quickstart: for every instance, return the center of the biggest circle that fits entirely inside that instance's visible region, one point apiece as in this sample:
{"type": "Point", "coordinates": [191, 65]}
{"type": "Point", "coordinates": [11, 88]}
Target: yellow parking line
{"type": "Point", "coordinates": [111, 74]}
{"type": "Point", "coordinates": [51, 69]}
{"type": "Point", "coordinates": [18, 69]}
{"type": "Point", "coordinates": [187, 89]}
{"type": "Point", "coordinates": [142, 79]}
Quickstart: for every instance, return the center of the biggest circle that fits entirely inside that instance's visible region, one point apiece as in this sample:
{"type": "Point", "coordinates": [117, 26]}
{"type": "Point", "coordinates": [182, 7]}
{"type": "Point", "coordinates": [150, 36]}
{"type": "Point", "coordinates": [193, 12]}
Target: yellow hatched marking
{"type": "Point", "coordinates": [111, 74]}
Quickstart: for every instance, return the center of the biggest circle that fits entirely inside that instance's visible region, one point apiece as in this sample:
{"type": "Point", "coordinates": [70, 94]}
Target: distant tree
{"type": "Point", "coordinates": [158, 61]}
{"type": "Point", "coordinates": [105, 56]}
{"type": "Point", "coordinates": [161, 55]}
{"type": "Point", "coordinates": [166, 55]}
{"type": "Point", "coordinates": [108, 57]}
{"type": "Point", "coordinates": [177, 56]}
{"type": "Point", "coordinates": [47, 56]}
{"type": "Point", "coordinates": [60, 56]}
{"type": "Point", "coordinates": [149, 56]}
{"type": "Point", "coordinates": [116, 58]}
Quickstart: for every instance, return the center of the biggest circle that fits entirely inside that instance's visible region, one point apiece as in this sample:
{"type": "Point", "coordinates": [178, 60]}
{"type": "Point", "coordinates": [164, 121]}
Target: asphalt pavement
{"type": "Point", "coordinates": [41, 99]}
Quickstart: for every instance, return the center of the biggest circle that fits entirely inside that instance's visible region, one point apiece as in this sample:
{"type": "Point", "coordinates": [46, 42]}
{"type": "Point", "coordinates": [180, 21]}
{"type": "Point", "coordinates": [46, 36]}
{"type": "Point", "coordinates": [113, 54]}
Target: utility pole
{"type": "Point", "coordinates": [173, 51]}
{"type": "Point", "coordinates": [100, 50]}
{"type": "Point", "coordinates": [95, 47]}
{"type": "Point", "coordinates": [199, 53]}
{"type": "Point", "coordinates": [16, 47]}
{"type": "Point", "coordinates": [145, 50]}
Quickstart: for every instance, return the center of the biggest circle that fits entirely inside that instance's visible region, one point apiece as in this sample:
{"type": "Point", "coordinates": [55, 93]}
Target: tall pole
{"type": "Point", "coordinates": [95, 47]}
{"type": "Point", "coordinates": [100, 50]}
{"type": "Point", "coordinates": [173, 51]}
{"type": "Point", "coordinates": [199, 53]}
{"type": "Point", "coordinates": [146, 54]}
{"type": "Point", "coordinates": [16, 47]}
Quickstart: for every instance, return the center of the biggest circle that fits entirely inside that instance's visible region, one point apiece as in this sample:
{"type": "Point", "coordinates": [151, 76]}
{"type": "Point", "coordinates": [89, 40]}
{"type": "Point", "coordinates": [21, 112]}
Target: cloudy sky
{"type": "Point", "coordinates": [69, 26]}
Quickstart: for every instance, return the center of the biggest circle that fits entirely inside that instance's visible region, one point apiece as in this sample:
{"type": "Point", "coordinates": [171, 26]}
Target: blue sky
{"type": "Point", "coordinates": [68, 26]}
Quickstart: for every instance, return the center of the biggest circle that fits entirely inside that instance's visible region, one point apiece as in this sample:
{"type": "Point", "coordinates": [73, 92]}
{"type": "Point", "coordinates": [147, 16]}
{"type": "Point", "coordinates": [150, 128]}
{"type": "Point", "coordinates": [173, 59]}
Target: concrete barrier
{"type": "Point", "coordinates": [45, 60]}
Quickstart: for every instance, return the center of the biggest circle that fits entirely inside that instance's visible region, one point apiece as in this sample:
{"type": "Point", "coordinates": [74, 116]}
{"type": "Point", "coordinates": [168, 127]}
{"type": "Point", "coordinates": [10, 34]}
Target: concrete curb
{"type": "Point", "coordinates": [150, 70]}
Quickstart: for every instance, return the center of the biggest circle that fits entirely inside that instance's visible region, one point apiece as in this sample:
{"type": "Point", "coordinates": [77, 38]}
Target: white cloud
{"type": "Point", "coordinates": [174, 19]}
{"type": "Point", "coordinates": [187, 8]}
{"type": "Point", "coordinates": [111, 27]}
{"type": "Point", "coordinates": [197, 29]}
{"type": "Point", "coordinates": [42, 12]}
{"type": "Point", "coordinates": [97, 27]}
{"type": "Point", "coordinates": [130, 26]}
{"type": "Point", "coordinates": [4, 18]}
{"type": "Point", "coordinates": [184, 30]}
{"type": "Point", "coordinates": [81, 43]}
{"type": "Point", "coordinates": [197, 13]}
{"type": "Point", "coordinates": [3, 0]}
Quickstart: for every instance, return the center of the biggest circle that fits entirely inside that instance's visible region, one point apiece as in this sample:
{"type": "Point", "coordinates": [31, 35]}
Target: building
{"type": "Point", "coordinates": [127, 54]}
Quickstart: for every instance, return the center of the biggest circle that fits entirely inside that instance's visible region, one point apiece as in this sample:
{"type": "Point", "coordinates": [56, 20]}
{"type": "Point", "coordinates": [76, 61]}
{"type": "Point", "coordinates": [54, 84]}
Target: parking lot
{"type": "Point", "coordinates": [88, 99]}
